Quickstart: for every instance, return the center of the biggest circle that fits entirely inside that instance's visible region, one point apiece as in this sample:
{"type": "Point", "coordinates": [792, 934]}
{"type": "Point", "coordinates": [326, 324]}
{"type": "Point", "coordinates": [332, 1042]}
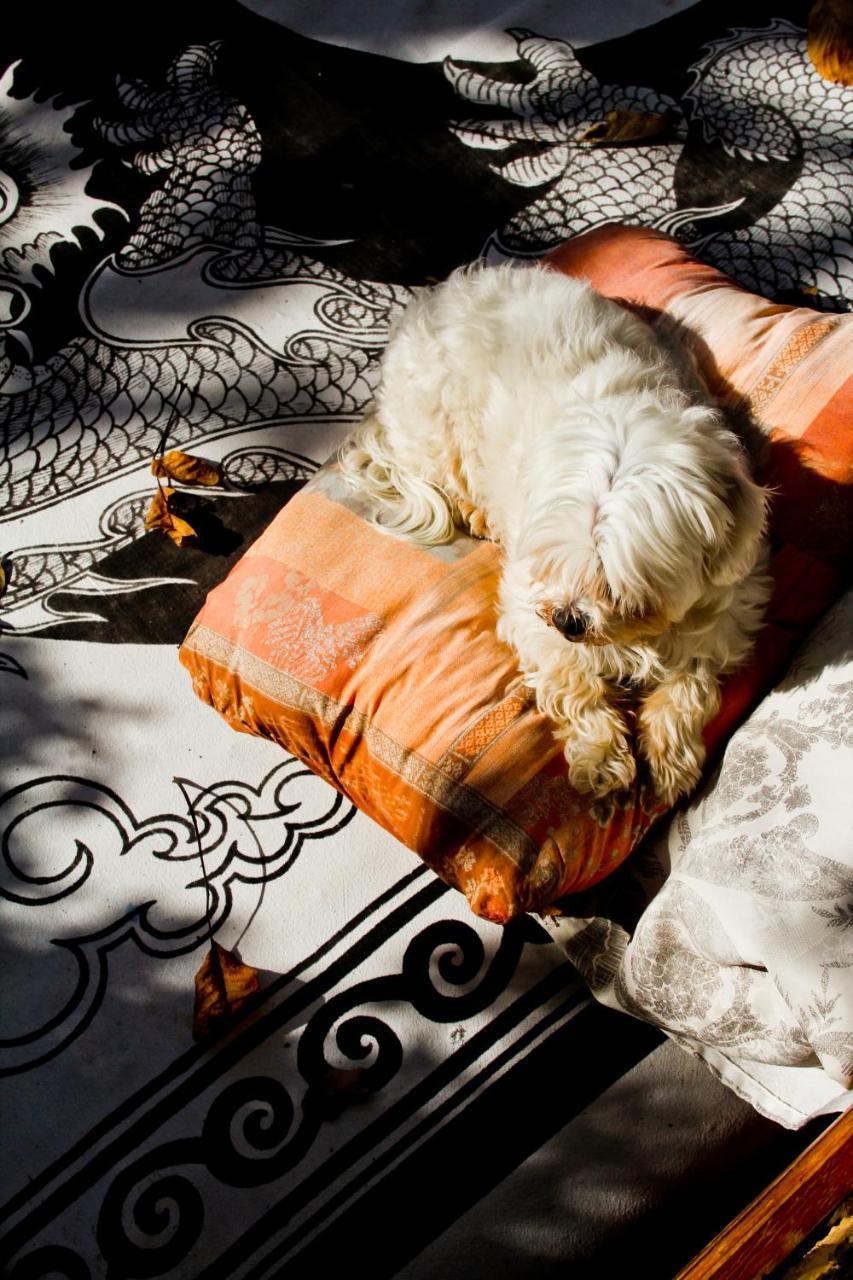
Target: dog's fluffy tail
{"type": "Point", "coordinates": [410, 506]}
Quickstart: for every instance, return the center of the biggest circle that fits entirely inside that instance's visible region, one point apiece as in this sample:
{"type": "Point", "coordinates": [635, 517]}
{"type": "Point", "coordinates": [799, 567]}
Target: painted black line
{"type": "Point", "coordinates": [465, 1160]}
{"type": "Point", "coordinates": [293, 1201]}
{"type": "Point", "coordinates": [119, 931]}
{"type": "Point", "coordinates": [448, 1112]}
{"type": "Point", "coordinates": [201, 1065]}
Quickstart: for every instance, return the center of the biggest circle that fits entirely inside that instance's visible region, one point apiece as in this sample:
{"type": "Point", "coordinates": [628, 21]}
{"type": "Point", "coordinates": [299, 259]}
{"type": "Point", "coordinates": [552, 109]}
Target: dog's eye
{"type": "Point", "coordinates": [570, 624]}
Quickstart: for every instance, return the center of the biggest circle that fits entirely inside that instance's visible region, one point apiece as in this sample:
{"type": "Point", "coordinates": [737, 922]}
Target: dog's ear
{"type": "Point", "coordinates": [734, 554]}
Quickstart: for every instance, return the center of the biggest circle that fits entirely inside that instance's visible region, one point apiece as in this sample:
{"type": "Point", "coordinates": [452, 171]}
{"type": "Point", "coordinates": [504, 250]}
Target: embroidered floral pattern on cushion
{"type": "Point", "coordinates": [301, 629]}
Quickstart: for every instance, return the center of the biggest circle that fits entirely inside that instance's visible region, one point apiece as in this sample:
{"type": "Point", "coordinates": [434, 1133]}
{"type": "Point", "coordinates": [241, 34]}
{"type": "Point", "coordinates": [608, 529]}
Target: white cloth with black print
{"type": "Point", "coordinates": [745, 954]}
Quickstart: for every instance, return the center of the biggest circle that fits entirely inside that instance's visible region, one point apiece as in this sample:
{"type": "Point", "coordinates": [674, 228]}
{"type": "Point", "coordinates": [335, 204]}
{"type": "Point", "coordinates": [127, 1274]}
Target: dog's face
{"type": "Point", "coordinates": [592, 616]}
{"type": "Point", "coordinates": [629, 568]}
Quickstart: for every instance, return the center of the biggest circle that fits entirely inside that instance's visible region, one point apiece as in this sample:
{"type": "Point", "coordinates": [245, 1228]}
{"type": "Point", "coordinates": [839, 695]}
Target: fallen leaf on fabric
{"type": "Point", "coordinates": [222, 985]}
{"type": "Point", "coordinates": [186, 468]}
{"type": "Point", "coordinates": [622, 126]}
{"type": "Point", "coordinates": [163, 515]}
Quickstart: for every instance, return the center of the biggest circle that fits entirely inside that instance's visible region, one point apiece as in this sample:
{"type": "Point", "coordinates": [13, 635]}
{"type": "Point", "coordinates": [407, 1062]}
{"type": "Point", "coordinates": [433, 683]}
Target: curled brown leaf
{"type": "Point", "coordinates": [186, 468]}
{"type": "Point", "coordinates": [163, 515]}
{"type": "Point", "coordinates": [223, 984]}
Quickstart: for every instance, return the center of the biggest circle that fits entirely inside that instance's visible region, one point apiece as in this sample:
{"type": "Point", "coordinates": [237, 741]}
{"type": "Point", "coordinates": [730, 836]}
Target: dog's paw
{"type": "Point", "coordinates": [599, 770]}
{"type": "Point", "coordinates": [472, 518]}
{"type": "Point", "coordinates": [669, 732]}
{"type": "Point", "coordinates": [674, 773]}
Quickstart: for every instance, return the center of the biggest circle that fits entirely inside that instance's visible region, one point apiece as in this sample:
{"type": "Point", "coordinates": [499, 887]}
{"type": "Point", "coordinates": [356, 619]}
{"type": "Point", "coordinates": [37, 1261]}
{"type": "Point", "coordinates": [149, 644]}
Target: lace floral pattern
{"type": "Point", "coordinates": [745, 954]}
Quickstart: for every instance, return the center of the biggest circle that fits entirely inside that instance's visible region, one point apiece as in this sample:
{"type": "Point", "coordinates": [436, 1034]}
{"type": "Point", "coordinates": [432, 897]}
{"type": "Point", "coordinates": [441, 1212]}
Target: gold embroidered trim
{"type": "Point", "coordinates": [476, 739]}
{"type": "Point", "coordinates": [801, 343]}
{"type": "Point", "coordinates": [432, 781]}
{"type": "Point", "coordinates": [491, 724]}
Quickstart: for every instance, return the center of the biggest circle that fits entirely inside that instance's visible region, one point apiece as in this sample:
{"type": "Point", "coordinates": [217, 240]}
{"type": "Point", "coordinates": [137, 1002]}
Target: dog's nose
{"type": "Point", "coordinates": [572, 625]}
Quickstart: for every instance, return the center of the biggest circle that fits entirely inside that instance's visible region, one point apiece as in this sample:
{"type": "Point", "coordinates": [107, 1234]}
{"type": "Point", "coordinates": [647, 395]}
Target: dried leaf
{"type": "Point", "coordinates": [163, 516]}
{"type": "Point", "coordinates": [619, 127]}
{"type": "Point", "coordinates": [2, 579]}
{"type": "Point", "coordinates": [222, 985]}
{"type": "Point", "coordinates": [186, 468]}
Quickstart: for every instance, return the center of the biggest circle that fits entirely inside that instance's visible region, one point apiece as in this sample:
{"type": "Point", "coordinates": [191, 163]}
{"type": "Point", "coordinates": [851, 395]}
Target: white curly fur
{"type": "Point", "coordinates": [520, 404]}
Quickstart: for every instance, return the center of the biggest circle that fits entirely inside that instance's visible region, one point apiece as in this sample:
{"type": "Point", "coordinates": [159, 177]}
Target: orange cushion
{"type": "Point", "coordinates": [375, 660]}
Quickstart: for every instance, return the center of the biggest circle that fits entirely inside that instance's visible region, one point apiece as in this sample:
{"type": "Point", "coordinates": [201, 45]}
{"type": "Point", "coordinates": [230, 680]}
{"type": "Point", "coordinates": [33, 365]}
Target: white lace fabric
{"type": "Point", "coordinates": [744, 954]}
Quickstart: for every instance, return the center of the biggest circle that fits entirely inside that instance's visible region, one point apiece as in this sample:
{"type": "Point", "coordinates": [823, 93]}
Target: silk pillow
{"type": "Point", "coordinates": [375, 661]}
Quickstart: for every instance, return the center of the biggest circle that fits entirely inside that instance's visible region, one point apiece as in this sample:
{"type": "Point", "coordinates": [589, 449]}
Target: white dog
{"type": "Point", "coordinates": [522, 405]}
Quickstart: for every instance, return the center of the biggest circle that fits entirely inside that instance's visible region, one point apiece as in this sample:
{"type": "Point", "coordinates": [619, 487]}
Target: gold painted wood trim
{"type": "Point", "coordinates": [770, 1228]}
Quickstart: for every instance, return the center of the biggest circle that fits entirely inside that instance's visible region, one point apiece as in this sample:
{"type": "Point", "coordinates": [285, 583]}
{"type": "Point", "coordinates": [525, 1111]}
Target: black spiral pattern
{"type": "Point", "coordinates": [150, 1220]}
{"type": "Point", "coordinates": [246, 1130]}
{"type": "Point", "coordinates": [259, 1128]}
